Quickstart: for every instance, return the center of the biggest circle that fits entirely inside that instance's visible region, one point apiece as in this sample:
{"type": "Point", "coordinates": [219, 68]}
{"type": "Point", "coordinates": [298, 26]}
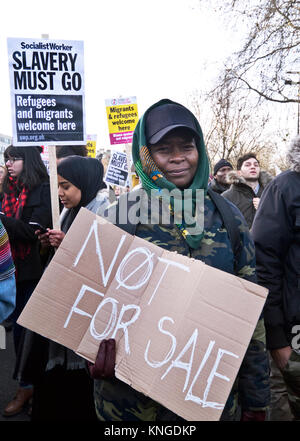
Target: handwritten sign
{"type": "Point", "coordinates": [122, 117]}
{"type": "Point", "coordinates": [47, 91]}
{"type": "Point", "coordinates": [181, 327]}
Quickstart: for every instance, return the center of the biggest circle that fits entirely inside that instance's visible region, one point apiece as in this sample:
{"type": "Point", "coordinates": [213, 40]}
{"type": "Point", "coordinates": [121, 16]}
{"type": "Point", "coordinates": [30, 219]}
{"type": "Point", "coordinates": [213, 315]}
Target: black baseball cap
{"type": "Point", "coordinates": [162, 119]}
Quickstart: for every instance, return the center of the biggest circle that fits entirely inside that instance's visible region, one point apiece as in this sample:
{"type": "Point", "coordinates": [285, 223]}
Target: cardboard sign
{"type": "Point", "coordinates": [122, 117]}
{"type": "Point", "coordinates": [181, 327]}
{"type": "Point", "coordinates": [47, 91]}
{"type": "Point", "coordinates": [117, 170]}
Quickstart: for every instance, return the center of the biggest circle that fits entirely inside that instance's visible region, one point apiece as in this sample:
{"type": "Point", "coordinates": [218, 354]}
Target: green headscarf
{"type": "Point", "coordinates": [153, 179]}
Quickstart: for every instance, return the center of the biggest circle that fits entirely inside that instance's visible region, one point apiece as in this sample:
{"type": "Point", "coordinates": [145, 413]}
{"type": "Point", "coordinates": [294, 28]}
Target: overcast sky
{"type": "Point", "coordinates": [148, 49]}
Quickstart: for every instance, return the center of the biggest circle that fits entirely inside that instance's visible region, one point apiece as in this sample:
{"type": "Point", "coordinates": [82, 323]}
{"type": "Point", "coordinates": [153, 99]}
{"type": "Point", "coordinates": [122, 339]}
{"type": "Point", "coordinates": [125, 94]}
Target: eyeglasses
{"type": "Point", "coordinates": [12, 159]}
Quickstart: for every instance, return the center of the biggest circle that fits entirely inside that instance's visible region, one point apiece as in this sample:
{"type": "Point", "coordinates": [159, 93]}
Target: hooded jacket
{"type": "Point", "coordinates": [241, 194]}
{"type": "Point", "coordinates": [276, 232]}
{"type": "Point", "coordinates": [217, 187]}
{"type": "Point", "coordinates": [115, 400]}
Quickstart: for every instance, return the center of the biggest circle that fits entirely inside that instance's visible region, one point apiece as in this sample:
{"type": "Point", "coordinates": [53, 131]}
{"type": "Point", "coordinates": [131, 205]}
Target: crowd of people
{"type": "Point", "coordinates": [168, 153]}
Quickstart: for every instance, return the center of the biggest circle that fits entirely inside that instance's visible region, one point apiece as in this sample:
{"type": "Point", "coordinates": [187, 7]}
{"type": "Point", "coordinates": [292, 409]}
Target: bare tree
{"type": "Point", "coordinates": [270, 50]}
{"type": "Point", "coordinates": [231, 123]}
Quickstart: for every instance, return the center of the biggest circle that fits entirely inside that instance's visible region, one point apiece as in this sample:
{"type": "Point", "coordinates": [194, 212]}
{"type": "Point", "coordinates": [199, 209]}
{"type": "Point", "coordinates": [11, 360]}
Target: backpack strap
{"type": "Point", "coordinates": [229, 220]}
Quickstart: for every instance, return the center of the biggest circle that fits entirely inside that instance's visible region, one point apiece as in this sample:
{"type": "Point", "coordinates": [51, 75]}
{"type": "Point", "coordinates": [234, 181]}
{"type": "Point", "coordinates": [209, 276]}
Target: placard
{"type": "Point", "coordinates": [91, 145]}
{"type": "Point", "coordinates": [117, 170]}
{"type": "Point", "coordinates": [122, 117]}
{"type": "Point", "coordinates": [181, 327]}
{"type": "Point", "coordinates": [47, 91]}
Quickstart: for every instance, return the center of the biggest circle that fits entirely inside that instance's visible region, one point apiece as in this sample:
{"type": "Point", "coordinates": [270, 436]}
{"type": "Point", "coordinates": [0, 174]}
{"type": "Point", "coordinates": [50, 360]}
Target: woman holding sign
{"type": "Point", "coordinates": [169, 154]}
{"type": "Point", "coordinates": [64, 391]}
{"type": "Point", "coordinates": [26, 202]}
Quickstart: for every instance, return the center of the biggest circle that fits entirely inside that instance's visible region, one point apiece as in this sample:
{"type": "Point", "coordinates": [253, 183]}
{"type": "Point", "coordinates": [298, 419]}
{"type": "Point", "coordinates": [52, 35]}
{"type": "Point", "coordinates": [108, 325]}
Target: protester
{"type": "Point", "coordinates": [63, 391]}
{"type": "Point", "coordinates": [118, 191]}
{"type": "Point", "coordinates": [26, 199]}
{"type": "Point", "coordinates": [276, 232]}
{"type": "Point", "coordinates": [7, 277]}
{"type": "Point", "coordinates": [63, 151]}
{"type": "Point", "coordinates": [247, 185]}
{"type": "Point", "coordinates": [219, 183]}
{"type": "Point", "coordinates": [80, 181]}
{"type": "Point", "coordinates": [169, 153]}
{"type": "Point", "coordinates": [3, 172]}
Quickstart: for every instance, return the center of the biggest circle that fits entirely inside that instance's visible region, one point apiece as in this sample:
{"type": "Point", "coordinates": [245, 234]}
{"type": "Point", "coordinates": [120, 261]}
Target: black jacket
{"type": "Point", "coordinates": [241, 195]}
{"type": "Point", "coordinates": [276, 232]}
{"type": "Point", "coordinates": [217, 187]}
{"type": "Point", "coordinates": [36, 209]}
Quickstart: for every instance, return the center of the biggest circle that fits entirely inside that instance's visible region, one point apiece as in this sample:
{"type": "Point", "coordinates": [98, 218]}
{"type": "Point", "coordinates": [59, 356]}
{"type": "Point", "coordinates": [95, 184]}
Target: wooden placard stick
{"type": "Point", "coordinates": [54, 187]}
{"type": "Point", "coordinates": [53, 179]}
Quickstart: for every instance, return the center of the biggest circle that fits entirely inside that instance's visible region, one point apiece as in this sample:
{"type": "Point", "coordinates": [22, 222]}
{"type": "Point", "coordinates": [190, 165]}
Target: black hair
{"type": "Point", "coordinates": [245, 158]}
{"type": "Point", "coordinates": [62, 151]}
{"type": "Point", "coordinates": [34, 170]}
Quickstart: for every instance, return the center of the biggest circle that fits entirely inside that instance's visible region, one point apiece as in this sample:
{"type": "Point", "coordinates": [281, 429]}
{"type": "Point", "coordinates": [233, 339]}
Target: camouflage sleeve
{"type": "Point", "coordinates": [254, 387]}
{"type": "Point", "coordinates": [245, 260]}
{"type": "Point", "coordinates": [253, 376]}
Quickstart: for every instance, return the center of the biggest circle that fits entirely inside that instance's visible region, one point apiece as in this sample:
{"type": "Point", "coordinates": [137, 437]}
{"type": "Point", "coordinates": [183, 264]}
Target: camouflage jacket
{"type": "Point", "coordinates": [116, 401]}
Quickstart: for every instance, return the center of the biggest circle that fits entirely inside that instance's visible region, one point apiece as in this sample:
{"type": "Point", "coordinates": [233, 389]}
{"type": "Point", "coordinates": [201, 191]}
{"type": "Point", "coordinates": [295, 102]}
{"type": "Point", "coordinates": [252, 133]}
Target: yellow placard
{"type": "Point", "coordinates": [91, 148]}
{"type": "Point", "coordinates": [122, 118]}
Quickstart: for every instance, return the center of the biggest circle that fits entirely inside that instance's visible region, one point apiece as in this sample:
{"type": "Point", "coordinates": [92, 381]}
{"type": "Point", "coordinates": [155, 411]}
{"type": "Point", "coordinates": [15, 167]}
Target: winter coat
{"type": "Point", "coordinates": [37, 209]}
{"type": "Point", "coordinates": [215, 250]}
{"type": "Point", "coordinates": [241, 195]}
{"type": "Point", "coordinates": [276, 232]}
{"type": "Point", "coordinates": [40, 354]}
{"type": "Point", "coordinates": [217, 187]}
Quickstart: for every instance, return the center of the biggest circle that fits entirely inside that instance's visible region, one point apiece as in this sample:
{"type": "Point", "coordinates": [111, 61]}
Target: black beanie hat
{"type": "Point", "coordinates": [220, 164]}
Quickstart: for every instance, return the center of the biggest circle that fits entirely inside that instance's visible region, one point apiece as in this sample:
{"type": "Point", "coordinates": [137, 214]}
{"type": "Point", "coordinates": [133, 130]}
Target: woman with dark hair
{"type": "Point", "coordinates": [63, 151]}
{"type": "Point", "coordinates": [26, 199]}
{"type": "Point", "coordinates": [63, 391]}
{"type": "Point", "coordinates": [169, 154]}
{"type": "Point", "coordinates": [80, 181]}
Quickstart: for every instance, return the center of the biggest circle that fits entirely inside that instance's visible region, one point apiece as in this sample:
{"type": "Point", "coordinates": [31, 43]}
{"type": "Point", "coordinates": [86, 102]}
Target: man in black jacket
{"type": "Point", "coordinates": [276, 233]}
{"type": "Point", "coordinates": [219, 183]}
{"type": "Point", "coordinates": [246, 186]}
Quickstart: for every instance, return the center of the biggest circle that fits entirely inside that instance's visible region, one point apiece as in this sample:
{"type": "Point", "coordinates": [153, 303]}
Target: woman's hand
{"type": "Point", "coordinates": [104, 366]}
{"type": "Point", "coordinates": [43, 238]}
{"type": "Point", "coordinates": [55, 237]}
